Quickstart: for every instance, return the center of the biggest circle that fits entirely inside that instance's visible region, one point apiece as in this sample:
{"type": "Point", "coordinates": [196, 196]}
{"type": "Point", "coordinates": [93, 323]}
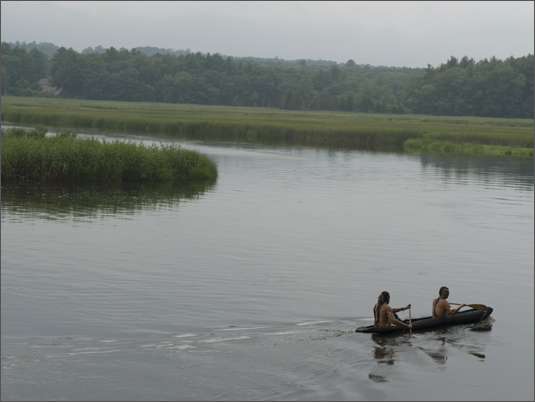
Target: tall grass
{"type": "Point", "coordinates": [448, 147]}
{"type": "Point", "coordinates": [67, 158]}
{"type": "Point", "coordinates": [266, 125]}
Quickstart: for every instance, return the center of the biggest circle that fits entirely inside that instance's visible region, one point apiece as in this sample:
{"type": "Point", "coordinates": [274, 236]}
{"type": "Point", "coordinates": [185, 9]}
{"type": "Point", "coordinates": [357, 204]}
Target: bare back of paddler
{"type": "Point", "coordinates": [441, 307]}
{"type": "Point", "coordinates": [385, 315]}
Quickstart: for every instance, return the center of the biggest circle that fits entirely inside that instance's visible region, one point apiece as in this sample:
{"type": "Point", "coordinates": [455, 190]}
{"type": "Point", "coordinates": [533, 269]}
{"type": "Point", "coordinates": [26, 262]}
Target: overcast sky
{"type": "Point", "coordinates": [410, 34]}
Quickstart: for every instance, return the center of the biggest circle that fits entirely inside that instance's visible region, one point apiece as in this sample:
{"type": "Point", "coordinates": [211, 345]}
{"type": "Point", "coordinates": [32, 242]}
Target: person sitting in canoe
{"type": "Point", "coordinates": [440, 305]}
{"type": "Point", "coordinates": [385, 316]}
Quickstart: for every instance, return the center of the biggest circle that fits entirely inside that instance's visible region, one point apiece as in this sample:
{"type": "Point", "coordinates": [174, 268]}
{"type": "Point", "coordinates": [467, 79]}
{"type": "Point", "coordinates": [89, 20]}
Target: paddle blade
{"type": "Point", "coordinates": [474, 306]}
{"type": "Point", "coordinates": [478, 306]}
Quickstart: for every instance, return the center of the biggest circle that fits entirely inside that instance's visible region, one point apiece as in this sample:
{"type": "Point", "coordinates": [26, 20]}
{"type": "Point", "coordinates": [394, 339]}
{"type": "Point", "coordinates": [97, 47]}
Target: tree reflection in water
{"type": "Point", "coordinates": [94, 200]}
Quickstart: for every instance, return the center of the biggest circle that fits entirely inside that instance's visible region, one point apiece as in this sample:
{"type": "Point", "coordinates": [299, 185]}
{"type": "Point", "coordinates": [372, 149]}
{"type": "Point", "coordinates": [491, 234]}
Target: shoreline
{"type": "Point", "coordinates": [33, 156]}
{"type": "Point", "coordinates": [435, 134]}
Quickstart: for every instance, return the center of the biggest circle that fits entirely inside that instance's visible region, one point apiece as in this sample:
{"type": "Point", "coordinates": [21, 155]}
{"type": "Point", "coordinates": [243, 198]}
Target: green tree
{"type": "Point", "coordinates": [67, 72]}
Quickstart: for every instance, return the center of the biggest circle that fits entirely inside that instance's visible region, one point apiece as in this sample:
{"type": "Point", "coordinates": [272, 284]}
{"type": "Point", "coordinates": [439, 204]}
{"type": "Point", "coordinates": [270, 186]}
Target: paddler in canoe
{"type": "Point", "coordinates": [385, 316]}
{"type": "Point", "coordinates": [441, 307]}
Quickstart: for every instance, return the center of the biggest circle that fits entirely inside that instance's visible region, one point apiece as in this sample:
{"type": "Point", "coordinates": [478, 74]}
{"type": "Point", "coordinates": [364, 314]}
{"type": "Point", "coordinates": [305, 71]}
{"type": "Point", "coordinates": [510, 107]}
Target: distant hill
{"type": "Point", "coordinates": [146, 50]}
{"type": "Point", "coordinates": [50, 49]}
{"type": "Point", "coordinates": [47, 48]}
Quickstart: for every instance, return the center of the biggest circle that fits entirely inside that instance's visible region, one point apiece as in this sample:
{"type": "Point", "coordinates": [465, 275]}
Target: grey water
{"type": "Point", "coordinates": [251, 288]}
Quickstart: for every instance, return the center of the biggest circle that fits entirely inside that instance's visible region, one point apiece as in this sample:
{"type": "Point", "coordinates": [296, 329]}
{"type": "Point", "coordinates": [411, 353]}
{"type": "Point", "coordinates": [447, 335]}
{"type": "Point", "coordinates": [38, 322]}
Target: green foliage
{"type": "Point", "coordinates": [38, 132]}
{"type": "Point", "coordinates": [45, 47]}
{"type": "Point", "coordinates": [208, 79]}
{"type": "Point", "coordinates": [66, 158]}
{"type": "Point", "coordinates": [212, 122]}
{"type": "Point", "coordinates": [492, 88]}
{"type": "Point", "coordinates": [267, 126]}
{"type": "Point", "coordinates": [291, 101]}
{"type": "Point", "coordinates": [66, 133]}
{"type": "Point", "coordinates": [15, 132]}
{"type": "Point", "coordinates": [458, 148]}
{"type": "Point", "coordinates": [21, 70]}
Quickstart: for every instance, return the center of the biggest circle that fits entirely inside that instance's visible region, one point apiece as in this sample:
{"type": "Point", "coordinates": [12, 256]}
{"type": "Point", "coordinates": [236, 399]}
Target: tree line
{"type": "Point", "coordinates": [492, 88]}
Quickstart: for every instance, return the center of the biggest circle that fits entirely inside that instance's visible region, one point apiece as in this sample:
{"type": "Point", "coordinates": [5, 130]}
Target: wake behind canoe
{"type": "Point", "coordinates": [420, 324]}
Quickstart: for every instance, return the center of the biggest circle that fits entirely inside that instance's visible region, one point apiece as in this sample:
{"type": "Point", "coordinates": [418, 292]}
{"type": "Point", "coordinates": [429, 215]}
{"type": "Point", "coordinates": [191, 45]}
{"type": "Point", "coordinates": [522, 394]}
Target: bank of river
{"type": "Point", "coordinates": [31, 155]}
{"type": "Point", "coordinates": [271, 126]}
{"type": "Point", "coordinates": [251, 288]}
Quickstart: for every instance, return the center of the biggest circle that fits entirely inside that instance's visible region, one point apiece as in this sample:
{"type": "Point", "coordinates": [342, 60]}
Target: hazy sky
{"type": "Point", "coordinates": [410, 34]}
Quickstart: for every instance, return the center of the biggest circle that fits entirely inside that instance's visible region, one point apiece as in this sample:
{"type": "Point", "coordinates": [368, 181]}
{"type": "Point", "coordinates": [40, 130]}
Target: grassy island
{"type": "Point", "coordinates": [505, 137]}
{"type": "Point", "coordinates": [32, 156]}
{"type": "Point", "coordinates": [448, 147]}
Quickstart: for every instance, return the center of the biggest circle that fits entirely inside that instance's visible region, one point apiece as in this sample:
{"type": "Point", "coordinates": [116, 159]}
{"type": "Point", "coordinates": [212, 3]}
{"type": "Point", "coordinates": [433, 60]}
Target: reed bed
{"type": "Point", "coordinates": [448, 147]}
{"type": "Point", "coordinates": [267, 125]}
{"type": "Point", "coordinates": [68, 158]}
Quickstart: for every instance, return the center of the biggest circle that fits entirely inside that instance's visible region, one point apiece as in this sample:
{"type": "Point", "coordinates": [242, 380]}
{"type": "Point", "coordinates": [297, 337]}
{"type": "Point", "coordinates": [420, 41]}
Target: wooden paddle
{"type": "Point", "coordinates": [475, 306]}
{"type": "Point", "coordinates": [410, 330]}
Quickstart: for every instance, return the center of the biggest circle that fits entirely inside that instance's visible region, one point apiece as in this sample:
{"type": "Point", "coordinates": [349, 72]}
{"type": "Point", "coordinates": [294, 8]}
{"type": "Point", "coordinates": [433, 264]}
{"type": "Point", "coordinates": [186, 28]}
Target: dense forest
{"type": "Point", "coordinates": [492, 88]}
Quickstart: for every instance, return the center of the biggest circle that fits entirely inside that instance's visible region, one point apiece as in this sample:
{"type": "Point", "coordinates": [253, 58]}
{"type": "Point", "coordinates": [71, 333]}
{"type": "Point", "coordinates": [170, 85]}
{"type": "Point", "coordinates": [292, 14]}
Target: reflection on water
{"type": "Point", "coordinates": [250, 291]}
{"type": "Point", "coordinates": [498, 171]}
{"type": "Point", "coordinates": [385, 355]}
{"type": "Point", "coordinates": [436, 344]}
{"type": "Point", "coordinates": [387, 346]}
{"type": "Point", "coordinates": [436, 355]}
{"type": "Point", "coordinates": [92, 200]}
{"type": "Point", "coordinates": [377, 378]}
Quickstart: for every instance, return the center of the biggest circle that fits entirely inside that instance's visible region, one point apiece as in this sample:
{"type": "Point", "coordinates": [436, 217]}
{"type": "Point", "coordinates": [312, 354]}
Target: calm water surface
{"type": "Point", "coordinates": [251, 288]}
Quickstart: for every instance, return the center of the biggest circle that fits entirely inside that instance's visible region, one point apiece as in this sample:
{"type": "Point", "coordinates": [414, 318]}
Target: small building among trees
{"type": "Point", "coordinates": [45, 85]}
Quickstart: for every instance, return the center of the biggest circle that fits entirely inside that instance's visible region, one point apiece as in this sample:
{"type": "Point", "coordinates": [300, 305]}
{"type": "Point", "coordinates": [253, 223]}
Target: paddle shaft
{"type": "Point", "coordinates": [410, 323]}
{"type": "Point", "coordinates": [474, 306]}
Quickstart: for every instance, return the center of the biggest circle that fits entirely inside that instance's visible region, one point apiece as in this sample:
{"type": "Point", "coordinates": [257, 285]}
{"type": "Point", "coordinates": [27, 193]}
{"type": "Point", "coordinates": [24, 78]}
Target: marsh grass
{"type": "Point", "coordinates": [65, 157]}
{"type": "Point", "coordinates": [267, 125]}
{"type": "Point", "coordinates": [451, 148]}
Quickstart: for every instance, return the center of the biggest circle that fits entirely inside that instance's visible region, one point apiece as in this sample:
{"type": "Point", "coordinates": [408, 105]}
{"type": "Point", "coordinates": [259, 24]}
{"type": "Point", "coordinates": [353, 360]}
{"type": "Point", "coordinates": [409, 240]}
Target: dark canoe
{"type": "Point", "coordinates": [419, 324]}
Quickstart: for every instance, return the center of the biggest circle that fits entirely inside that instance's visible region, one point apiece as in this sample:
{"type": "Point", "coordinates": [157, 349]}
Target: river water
{"type": "Point", "coordinates": [251, 288]}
